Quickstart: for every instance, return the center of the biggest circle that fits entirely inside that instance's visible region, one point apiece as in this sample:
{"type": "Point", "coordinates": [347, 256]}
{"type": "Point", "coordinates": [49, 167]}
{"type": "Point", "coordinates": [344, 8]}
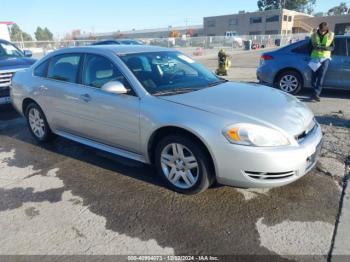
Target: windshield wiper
{"type": "Point", "coordinates": [175, 91]}
{"type": "Point", "coordinates": [221, 81]}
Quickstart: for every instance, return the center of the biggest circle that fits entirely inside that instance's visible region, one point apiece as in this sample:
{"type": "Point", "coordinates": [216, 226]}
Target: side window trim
{"type": "Point", "coordinates": [83, 65]}
{"type": "Point", "coordinates": [81, 69]}
{"type": "Point", "coordinates": [48, 61]}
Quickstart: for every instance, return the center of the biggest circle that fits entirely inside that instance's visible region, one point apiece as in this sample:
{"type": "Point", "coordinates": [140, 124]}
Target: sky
{"type": "Point", "coordinates": [62, 16]}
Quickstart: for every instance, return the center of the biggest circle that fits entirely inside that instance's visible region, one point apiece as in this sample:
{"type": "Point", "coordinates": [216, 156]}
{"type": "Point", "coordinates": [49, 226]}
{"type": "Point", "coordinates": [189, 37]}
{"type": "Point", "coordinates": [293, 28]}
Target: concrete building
{"type": "Point", "coordinates": [4, 30]}
{"type": "Point", "coordinates": [271, 22]}
{"type": "Point", "coordinates": [339, 24]}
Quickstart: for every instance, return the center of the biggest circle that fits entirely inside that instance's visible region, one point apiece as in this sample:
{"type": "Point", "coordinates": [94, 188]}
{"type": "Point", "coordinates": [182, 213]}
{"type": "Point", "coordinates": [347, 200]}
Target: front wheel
{"type": "Point", "coordinates": [289, 82]}
{"type": "Point", "coordinates": [183, 165]}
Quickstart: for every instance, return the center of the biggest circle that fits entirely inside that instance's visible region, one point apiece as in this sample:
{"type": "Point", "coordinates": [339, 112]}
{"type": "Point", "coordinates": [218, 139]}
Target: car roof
{"type": "Point", "coordinates": [342, 36]}
{"type": "Point", "coordinates": [117, 49]}
{"type": "Point", "coordinates": [117, 40]}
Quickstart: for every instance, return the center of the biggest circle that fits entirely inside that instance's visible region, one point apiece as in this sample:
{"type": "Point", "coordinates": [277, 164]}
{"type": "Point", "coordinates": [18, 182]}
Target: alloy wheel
{"type": "Point", "coordinates": [180, 166]}
{"type": "Point", "coordinates": [289, 83]}
{"type": "Point", "coordinates": [37, 123]}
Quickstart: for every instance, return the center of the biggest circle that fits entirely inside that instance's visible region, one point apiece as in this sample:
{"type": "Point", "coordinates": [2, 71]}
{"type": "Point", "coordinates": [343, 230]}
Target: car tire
{"type": "Point", "coordinates": [188, 170]}
{"type": "Point", "coordinates": [37, 123]}
{"type": "Point", "coordinates": [290, 82]}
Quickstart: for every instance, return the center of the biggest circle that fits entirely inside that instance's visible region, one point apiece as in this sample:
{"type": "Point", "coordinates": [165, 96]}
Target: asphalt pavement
{"type": "Point", "coordinates": [63, 198]}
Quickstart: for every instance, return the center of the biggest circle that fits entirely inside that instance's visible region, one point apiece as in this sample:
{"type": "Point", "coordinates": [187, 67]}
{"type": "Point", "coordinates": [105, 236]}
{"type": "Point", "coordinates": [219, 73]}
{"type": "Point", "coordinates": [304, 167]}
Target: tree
{"type": "Point", "coordinates": [191, 32]}
{"type": "Point", "coordinates": [306, 6]}
{"type": "Point", "coordinates": [17, 35]}
{"type": "Point", "coordinates": [43, 34]}
{"type": "Point", "coordinates": [175, 34]}
{"type": "Point", "coordinates": [341, 9]}
{"type": "Point", "coordinates": [269, 4]}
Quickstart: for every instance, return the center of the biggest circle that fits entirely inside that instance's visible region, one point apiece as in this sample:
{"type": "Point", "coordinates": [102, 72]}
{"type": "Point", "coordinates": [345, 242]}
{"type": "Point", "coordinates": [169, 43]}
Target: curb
{"type": "Point", "coordinates": [340, 250]}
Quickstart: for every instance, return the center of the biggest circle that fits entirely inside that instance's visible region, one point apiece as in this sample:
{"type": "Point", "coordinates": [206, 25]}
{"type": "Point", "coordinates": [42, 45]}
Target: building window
{"type": "Point", "coordinates": [233, 22]}
{"type": "Point", "coordinates": [255, 33]}
{"type": "Point", "coordinates": [290, 19]}
{"type": "Point", "coordinates": [255, 20]}
{"type": "Point", "coordinates": [285, 18]}
{"type": "Point", "coordinates": [274, 18]}
{"type": "Point", "coordinates": [211, 23]}
{"type": "Point", "coordinates": [271, 32]}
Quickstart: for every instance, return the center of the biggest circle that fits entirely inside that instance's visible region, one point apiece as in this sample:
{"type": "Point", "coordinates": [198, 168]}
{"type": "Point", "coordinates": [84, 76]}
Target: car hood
{"type": "Point", "coordinates": [251, 103]}
{"type": "Point", "coordinates": [8, 63]}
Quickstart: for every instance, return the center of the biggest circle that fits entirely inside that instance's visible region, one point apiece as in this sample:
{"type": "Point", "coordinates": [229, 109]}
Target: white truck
{"type": "Point", "coordinates": [233, 40]}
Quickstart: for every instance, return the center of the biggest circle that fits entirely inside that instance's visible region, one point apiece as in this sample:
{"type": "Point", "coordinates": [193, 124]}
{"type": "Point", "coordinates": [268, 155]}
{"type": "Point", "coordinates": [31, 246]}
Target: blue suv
{"type": "Point", "coordinates": [12, 59]}
{"type": "Point", "coordinates": [288, 70]}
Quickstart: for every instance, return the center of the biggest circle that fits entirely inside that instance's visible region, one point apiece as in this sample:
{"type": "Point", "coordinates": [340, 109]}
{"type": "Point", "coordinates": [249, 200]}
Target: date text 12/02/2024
{"type": "Point", "coordinates": [173, 258]}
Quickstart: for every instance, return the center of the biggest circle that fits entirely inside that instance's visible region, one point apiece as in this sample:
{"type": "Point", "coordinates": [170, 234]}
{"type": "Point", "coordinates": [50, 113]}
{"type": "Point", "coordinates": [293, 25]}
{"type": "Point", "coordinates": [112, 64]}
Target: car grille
{"type": "Point", "coordinates": [270, 176]}
{"type": "Point", "coordinates": [5, 79]}
{"type": "Point", "coordinates": [307, 132]}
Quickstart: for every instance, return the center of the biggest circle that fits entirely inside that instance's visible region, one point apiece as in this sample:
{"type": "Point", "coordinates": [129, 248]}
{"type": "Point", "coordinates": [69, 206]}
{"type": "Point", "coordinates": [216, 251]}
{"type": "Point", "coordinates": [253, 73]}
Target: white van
{"type": "Point", "coordinates": [232, 39]}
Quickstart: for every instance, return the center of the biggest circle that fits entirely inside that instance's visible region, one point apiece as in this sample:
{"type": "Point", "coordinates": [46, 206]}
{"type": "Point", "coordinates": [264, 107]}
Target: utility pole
{"type": "Point", "coordinates": [284, 4]}
{"type": "Point", "coordinates": [186, 22]}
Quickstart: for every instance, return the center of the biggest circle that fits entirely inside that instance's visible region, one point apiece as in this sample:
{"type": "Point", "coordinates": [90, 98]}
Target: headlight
{"type": "Point", "coordinates": [254, 135]}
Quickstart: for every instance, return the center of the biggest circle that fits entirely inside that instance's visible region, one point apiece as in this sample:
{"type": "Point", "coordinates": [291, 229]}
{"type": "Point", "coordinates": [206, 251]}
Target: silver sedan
{"type": "Point", "coordinates": [160, 107]}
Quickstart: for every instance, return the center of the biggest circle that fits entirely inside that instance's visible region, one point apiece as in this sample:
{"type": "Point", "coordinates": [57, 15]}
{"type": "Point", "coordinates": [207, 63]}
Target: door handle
{"type": "Point", "coordinates": [85, 97]}
{"type": "Point", "coordinates": [42, 88]}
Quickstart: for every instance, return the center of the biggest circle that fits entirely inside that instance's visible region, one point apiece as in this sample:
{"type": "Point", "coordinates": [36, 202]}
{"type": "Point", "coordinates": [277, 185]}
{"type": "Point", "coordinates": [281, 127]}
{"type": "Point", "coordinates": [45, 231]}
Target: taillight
{"type": "Point", "coordinates": [266, 57]}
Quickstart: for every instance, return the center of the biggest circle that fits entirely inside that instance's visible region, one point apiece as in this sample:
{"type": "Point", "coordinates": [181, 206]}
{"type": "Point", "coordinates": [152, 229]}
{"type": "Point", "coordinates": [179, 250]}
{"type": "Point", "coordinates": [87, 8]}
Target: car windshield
{"type": "Point", "coordinates": [130, 42]}
{"type": "Point", "coordinates": [167, 73]}
{"type": "Point", "coordinates": [7, 49]}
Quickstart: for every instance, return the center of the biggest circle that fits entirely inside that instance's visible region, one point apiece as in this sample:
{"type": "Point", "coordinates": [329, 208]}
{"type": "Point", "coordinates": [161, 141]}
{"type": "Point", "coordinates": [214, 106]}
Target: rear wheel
{"type": "Point", "coordinates": [183, 165]}
{"type": "Point", "coordinates": [289, 82]}
{"type": "Point", "coordinates": [37, 123]}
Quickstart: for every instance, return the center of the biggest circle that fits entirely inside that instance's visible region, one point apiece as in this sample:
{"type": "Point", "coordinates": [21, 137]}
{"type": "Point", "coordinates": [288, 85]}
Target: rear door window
{"type": "Point", "coordinates": [304, 48]}
{"type": "Point", "coordinates": [64, 67]}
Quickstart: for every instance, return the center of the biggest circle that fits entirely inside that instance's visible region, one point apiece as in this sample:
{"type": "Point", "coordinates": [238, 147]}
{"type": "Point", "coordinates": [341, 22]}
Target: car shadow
{"type": "Point", "coordinates": [7, 112]}
{"type": "Point", "coordinates": [306, 94]}
{"type": "Point", "coordinates": [133, 201]}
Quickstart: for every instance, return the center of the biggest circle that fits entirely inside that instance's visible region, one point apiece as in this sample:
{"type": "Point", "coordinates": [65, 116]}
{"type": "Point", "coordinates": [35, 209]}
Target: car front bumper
{"type": "Point", "coordinates": [5, 95]}
{"type": "Point", "coordinates": [255, 167]}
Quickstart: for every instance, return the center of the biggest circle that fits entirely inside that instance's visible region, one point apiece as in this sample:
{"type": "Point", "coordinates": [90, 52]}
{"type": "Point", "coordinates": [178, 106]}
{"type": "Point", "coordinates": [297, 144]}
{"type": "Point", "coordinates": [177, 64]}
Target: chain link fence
{"type": "Point", "coordinates": [189, 45]}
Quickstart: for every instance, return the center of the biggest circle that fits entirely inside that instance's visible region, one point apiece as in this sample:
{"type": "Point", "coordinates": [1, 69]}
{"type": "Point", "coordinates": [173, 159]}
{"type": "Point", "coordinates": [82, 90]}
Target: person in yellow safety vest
{"type": "Point", "coordinates": [322, 47]}
{"type": "Point", "coordinates": [224, 63]}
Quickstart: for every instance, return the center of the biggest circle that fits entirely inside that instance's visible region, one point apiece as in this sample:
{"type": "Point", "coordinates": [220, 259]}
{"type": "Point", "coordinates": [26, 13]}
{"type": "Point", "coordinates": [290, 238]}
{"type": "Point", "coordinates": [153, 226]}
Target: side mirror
{"type": "Point", "coordinates": [115, 87]}
{"type": "Point", "coordinates": [27, 53]}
